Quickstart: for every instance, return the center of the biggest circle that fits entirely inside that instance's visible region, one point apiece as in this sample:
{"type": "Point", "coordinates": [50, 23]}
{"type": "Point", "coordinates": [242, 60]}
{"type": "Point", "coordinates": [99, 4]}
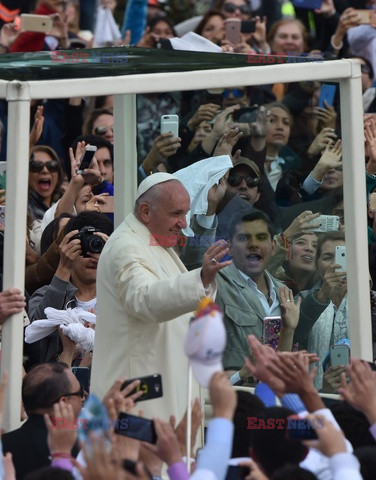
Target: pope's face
{"type": "Point", "coordinates": [167, 217]}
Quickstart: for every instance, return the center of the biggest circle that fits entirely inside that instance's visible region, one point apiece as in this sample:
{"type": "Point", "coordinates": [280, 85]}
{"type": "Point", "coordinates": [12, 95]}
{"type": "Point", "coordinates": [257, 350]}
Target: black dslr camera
{"type": "Point", "coordinates": [89, 242]}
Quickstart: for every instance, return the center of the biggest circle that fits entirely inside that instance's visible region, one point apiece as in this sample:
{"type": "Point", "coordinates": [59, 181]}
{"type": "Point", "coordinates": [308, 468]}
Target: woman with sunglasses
{"type": "Point", "coordinates": [100, 122]}
{"type": "Point", "coordinates": [45, 178]}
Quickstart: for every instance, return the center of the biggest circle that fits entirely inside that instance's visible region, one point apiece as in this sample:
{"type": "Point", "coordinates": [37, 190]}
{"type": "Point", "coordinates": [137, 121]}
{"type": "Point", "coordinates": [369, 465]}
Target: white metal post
{"type": "Point", "coordinates": [356, 214]}
{"type": "Point", "coordinates": [125, 154]}
{"type": "Point", "coordinates": [15, 241]}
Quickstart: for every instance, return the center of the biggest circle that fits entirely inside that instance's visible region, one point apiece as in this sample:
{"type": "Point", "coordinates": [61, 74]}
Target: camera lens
{"type": "Point", "coordinates": [95, 244]}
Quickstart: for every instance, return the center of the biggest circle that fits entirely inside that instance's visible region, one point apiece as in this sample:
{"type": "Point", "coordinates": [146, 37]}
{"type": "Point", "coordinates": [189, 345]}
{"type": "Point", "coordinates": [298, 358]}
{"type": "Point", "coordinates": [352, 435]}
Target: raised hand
{"type": "Point", "coordinates": [330, 158]}
{"type": "Point", "coordinates": [204, 113]}
{"type": "Point", "coordinates": [211, 262]}
{"type": "Point", "coordinates": [300, 225]}
{"type": "Point", "coordinates": [361, 391]}
{"type": "Point", "coordinates": [321, 141]}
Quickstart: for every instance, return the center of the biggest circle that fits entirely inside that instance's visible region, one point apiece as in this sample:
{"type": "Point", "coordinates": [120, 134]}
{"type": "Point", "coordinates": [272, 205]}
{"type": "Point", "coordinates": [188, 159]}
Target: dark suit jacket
{"type": "Point", "coordinates": [28, 445]}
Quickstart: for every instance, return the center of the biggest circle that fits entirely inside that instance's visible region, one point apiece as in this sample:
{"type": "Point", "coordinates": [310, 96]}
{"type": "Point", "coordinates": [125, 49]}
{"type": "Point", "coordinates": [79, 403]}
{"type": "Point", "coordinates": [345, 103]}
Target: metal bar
{"type": "Point", "coordinates": [356, 215]}
{"type": "Point", "coordinates": [125, 133]}
{"type": "Point", "coordinates": [178, 81]}
{"type": "Point", "coordinates": [15, 241]}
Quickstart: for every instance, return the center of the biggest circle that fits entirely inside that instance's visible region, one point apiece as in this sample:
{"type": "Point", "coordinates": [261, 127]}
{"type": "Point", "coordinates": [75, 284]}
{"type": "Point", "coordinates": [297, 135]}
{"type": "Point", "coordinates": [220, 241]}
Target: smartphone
{"type": "Point", "coordinates": [237, 472]}
{"type": "Point", "coordinates": [170, 123]}
{"type": "Point", "coordinates": [271, 330]}
{"type": "Point", "coordinates": [108, 205]}
{"type": "Point", "coordinates": [3, 175]}
{"type": "Point", "coordinates": [366, 16]}
{"type": "Point", "coordinates": [299, 428]}
{"type": "Point", "coordinates": [307, 4]}
{"type": "Point", "coordinates": [340, 258]}
{"type": "Point", "coordinates": [233, 30]}
{"type": "Point", "coordinates": [339, 355]}
{"type": "Point", "coordinates": [83, 376]}
{"type": "Point", "coordinates": [371, 202]}
{"type": "Point", "coordinates": [245, 115]}
{"type": "Point", "coordinates": [2, 215]}
{"type": "Point", "coordinates": [328, 223]}
{"type": "Point", "coordinates": [36, 23]}
{"type": "Point", "coordinates": [150, 385]}
{"type": "Point", "coordinates": [247, 26]}
{"type": "Point", "coordinates": [136, 427]}
{"type": "Point", "coordinates": [327, 93]}
{"type": "Point", "coordinates": [87, 158]}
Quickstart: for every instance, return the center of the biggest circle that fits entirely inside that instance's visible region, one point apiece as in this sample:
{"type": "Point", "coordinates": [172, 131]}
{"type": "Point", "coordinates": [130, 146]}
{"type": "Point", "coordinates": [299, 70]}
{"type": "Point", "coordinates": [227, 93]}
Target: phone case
{"type": "Point", "coordinates": [372, 202]}
{"type": "Point", "coordinates": [339, 355]}
{"type": "Point", "coordinates": [365, 16]}
{"type": "Point", "coordinates": [329, 223]}
{"type": "Point", "coordinates": [150, 385]}
{"type": "Point", "coordinates": [340, 258]}
{"type": "Point", "coordinates": [327, 93]}
{"type": "Point", "coordinates": [36, 23]}
{"type": "Point", "coordinates": [271, 331]}
{"type": "Point", "coordinates": [308, 4]}
{"type": "Point", "coordinates": [233, 26]}
{"type": "Point", "coordinates": [170, 123]}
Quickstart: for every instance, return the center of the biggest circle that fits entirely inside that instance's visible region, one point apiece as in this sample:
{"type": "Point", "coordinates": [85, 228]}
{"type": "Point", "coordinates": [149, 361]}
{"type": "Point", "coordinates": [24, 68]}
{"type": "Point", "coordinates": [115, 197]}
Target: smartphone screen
{"type": "Point", "coordinates": [87, 158]}
{"type": "Point", "coordinates": [150, 385]}
{"type": "Point", "coordinates": [136, 427]}
{"type": "Point", "coordinates": [299, 429]}
{"type": "Point", "coordinates": [372, 202]}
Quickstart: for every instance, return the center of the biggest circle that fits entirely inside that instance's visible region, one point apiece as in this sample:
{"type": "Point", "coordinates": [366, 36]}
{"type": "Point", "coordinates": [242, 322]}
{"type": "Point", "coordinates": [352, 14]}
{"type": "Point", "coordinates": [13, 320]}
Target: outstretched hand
{"type": "Point", "coordinates": [211, 262]}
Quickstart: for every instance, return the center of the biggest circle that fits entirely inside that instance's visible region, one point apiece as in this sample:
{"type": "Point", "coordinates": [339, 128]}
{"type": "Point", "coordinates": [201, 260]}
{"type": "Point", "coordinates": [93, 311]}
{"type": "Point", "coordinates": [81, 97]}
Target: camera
{"type": "Point", "coordinates": [89, 242]}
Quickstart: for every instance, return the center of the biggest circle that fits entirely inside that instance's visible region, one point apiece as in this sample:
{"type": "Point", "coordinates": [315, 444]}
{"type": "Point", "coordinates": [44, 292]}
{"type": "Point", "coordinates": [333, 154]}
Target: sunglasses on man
{"type": "Point", "coordinates": [234, 180]}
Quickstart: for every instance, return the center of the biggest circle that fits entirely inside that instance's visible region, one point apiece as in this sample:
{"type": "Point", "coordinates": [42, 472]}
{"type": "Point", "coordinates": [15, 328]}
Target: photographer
{"type": "Point", "coordinates": [74, 282]}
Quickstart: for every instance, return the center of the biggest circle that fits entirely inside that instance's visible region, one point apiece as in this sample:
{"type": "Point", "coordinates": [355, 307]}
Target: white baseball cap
{"type": "Point", "coordinates": [151, 180]}
{"type": "Point", "coordinates": [205, 342]}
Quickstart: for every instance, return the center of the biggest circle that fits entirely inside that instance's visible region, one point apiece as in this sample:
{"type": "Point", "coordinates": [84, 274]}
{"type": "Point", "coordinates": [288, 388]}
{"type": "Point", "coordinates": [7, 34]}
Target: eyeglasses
{"type": "Point", "coordinates": [80, 393]}
{"type": "Point", "coordinates": [236, 92]}
{"type": "Point", "coordinates": [103, 129]}
{"type": "Point", "coordinates": [37, 166]}
{"type": "Point", "coordinates": [234, 180]}
{"type": "Point", "coordinates": [231, 8]}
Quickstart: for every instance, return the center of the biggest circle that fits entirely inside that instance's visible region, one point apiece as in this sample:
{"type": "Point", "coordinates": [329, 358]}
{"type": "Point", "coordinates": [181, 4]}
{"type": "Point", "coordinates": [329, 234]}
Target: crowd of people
{"type": "Point", "coordinates": [243, 205]}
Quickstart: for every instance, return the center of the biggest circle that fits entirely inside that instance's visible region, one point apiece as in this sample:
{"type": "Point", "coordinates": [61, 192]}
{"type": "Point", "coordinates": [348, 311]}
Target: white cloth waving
{"type": "Point", "coordinates": [71, 322]}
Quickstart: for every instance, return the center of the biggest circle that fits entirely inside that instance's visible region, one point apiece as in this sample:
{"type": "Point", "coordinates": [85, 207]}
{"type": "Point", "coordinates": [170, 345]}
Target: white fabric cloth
{"type": "Point", "coordinates": [80, 334]}
{"type": "Point", "coordinates": [198, 179]}
{"type": "Point", "coordinates": [71, 322]}
{"type": "Point", "coordinates": [194, 43]}
{"type": "Point", "coordinates": [106, 31]}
